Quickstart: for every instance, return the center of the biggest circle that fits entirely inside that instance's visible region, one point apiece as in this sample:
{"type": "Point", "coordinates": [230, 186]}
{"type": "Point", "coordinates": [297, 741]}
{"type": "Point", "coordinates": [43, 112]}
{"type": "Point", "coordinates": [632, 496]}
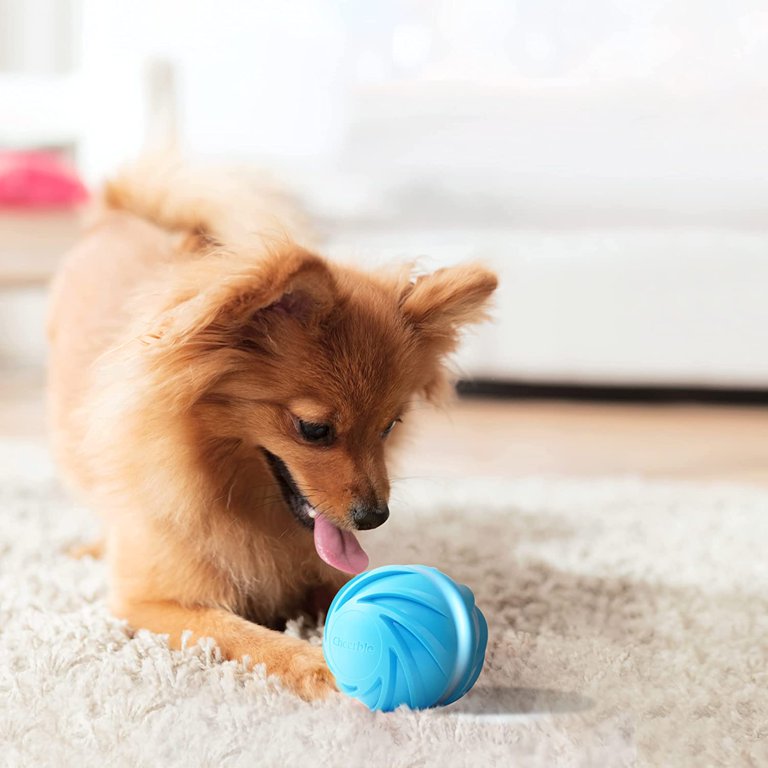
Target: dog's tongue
{"type": "Point", "coordinates": [338, 548]}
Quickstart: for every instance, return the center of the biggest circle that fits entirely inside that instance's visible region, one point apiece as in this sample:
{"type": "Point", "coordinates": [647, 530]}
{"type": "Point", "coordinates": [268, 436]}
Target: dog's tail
{"type": "Point", "coordinates": [227, 208]}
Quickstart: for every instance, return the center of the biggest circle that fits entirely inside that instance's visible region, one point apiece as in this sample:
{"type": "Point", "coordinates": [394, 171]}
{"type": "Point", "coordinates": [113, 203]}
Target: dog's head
{"type": "Point", "coordinates": [313, 366]}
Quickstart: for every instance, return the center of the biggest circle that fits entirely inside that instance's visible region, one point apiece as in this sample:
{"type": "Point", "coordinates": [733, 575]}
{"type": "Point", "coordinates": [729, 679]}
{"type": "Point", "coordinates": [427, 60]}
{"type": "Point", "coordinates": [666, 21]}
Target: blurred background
{"type": "Point", "coordinates": [608, 158]}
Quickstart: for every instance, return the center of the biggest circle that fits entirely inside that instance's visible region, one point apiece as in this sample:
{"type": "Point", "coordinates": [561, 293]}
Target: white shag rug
{"type": "Point", "coordinates": [628, 626]}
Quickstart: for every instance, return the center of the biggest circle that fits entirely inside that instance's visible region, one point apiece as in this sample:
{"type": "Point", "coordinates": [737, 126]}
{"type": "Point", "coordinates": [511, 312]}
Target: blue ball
{"type": "Point", "coordinates": [405, 634]}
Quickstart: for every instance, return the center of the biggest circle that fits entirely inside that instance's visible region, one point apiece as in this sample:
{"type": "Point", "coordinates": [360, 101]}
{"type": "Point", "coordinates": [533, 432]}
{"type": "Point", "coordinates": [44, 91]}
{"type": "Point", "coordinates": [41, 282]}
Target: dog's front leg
{"type": "Point", "coordinates": [298, 664]}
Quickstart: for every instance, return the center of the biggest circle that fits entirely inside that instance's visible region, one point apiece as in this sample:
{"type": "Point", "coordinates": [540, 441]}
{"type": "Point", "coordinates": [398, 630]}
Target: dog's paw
{"type": "Point", "coordinates": [308, 676]}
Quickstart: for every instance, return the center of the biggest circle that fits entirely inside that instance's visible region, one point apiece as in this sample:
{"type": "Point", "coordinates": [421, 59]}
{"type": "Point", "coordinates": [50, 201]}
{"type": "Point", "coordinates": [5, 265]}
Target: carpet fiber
{"type": "Point", "coordinates": [628, 625]}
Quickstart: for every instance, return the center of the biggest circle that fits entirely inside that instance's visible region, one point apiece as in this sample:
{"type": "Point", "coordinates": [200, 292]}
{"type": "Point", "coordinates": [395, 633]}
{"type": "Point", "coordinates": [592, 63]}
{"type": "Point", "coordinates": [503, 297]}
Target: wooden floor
{"type": "Point", "coordinates": [477, 437]}
{"type": "Point", "coordinates": [676, 441]}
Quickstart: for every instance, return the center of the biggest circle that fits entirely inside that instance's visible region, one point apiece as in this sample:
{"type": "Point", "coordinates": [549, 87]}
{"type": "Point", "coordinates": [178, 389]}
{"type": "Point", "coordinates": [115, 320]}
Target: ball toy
{"type": "Point", "coordinates": [405, 634]}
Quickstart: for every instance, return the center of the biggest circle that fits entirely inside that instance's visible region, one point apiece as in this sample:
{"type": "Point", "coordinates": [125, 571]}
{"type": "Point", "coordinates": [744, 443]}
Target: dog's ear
{"type": "Point", "coordinates": [439, 304]}
{"type": "Point", "coordinates": [216, 296]}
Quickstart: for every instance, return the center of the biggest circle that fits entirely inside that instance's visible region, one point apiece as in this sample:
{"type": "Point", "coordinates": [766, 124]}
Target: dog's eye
{"type": "Point", "coordinates": [390, 427]}
{"type": "Point", "coordinates": [315, 433]}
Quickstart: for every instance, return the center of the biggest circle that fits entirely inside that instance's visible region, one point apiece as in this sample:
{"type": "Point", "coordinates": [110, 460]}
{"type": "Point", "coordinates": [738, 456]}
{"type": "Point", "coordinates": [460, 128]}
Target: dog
{"type": "Point", "coordinates": [227, 400]}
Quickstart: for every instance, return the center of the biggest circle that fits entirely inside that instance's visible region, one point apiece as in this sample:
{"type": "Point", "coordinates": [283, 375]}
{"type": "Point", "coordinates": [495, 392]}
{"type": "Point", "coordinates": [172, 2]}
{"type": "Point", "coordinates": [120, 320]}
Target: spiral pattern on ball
{"type": "Point", "coordinates": [404, 635]}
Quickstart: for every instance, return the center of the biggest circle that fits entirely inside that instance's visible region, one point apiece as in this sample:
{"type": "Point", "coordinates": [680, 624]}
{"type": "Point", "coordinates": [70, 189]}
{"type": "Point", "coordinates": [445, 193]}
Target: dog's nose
{"type": "Point", "coordinates": [366, 516]}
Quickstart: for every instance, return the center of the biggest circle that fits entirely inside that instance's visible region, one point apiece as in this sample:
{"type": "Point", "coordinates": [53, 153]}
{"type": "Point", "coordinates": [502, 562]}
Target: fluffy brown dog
{"type": "Point", "coordinates": [223, 397]}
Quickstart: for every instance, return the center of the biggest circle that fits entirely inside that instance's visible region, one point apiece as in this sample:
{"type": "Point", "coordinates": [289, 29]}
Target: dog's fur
{"type": "Point", "coordinates": [188, 332]}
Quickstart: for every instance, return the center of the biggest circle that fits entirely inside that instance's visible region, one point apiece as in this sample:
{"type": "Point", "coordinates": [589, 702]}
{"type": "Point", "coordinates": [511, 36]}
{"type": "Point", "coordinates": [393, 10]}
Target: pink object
{"type": "Point", "coordinates": [38, 180]}
{"type": "Point", "coordinates": [340, 549]}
